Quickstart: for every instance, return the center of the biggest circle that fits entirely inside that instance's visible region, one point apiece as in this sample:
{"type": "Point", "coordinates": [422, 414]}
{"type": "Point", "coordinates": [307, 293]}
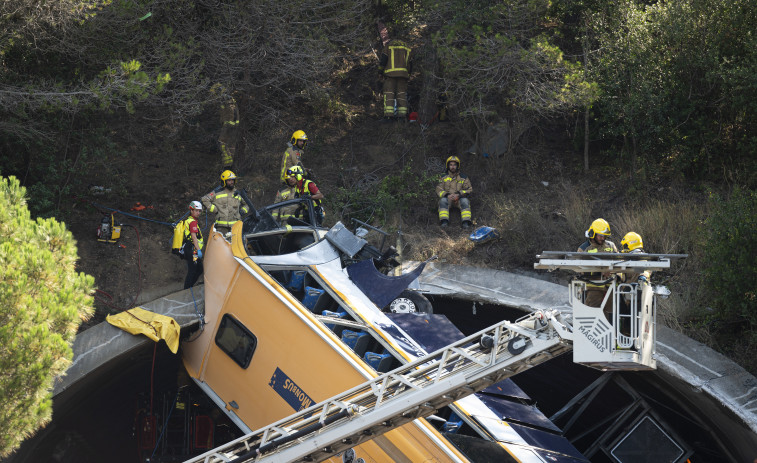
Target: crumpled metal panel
{"type": "Point", "coordinates": [345, 240]}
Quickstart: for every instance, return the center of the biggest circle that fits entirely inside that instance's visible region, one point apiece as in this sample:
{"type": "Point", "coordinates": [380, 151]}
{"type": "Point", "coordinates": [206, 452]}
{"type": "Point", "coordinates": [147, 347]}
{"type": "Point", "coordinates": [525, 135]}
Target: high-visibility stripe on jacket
{"type": "Point", "coordinates": [226, 205]}
{"type": "Point", "coordinates": [592, 247]}
{"type": "Point", "coordinates": [395, 60]}
{"type": "Point", "coordinates": [458, 183]}
{"type": "Point", "coordinates": [303, 187]}
{"type": "Point", "coordinates": [292, 157]}
{"type": "Point", "coordinates": [283, 213]}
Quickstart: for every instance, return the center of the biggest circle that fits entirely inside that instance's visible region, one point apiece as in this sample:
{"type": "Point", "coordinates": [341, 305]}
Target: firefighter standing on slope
{"type": "Point", "coordinates": [454, 189]}
{"type": "Point", "coordinates": [229, 131]}
{"type": "Point", "coordinates": [226, 203]}
{"type": "Point", "coordinates": [396, 68]}
{"type": "Point", "coordinates": [293, 154]}
{"type": "Point", "coordinates": [192, 247]}
{"type": "Point", "coordinates": [598, 285]}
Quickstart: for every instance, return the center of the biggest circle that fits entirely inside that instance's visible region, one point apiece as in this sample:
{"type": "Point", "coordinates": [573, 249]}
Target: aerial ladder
{"type": "Point", "coordinates": [419, 388]}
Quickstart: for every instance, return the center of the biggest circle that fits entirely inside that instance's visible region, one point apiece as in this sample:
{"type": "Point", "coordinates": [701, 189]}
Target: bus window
{"type": "Point", "coordinates": [236, 340]}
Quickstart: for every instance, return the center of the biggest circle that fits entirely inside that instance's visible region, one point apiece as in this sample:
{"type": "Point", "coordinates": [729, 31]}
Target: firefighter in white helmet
{"type": "Point", "coordinates": [193, 242]}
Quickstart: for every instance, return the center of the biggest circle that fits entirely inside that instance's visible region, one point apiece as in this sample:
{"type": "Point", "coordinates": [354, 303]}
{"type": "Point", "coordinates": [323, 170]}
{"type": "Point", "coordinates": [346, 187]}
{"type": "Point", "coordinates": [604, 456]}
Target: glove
{"type": "Point", "coordinates": [199, 253]}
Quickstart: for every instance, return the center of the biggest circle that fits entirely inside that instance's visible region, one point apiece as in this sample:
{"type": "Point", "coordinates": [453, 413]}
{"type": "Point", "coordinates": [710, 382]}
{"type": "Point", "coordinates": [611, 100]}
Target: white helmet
{"type": "Point", "coordinates": [195, 205]}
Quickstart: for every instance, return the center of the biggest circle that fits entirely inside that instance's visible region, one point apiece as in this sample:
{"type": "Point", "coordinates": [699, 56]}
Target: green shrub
{"type": "Point", "coordinates": [730, 250]}
{"type": "Point", "coordinates": [389, 196]}
{"type": "Point", "coordinates": [42, 302]}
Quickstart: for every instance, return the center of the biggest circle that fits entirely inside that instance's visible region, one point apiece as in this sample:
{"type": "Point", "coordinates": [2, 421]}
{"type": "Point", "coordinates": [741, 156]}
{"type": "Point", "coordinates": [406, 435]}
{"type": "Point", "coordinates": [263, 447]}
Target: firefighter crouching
{"type": "Point", "coordinates": [226, 204]}
{"type": "Point", "coordinates": [453, 190]}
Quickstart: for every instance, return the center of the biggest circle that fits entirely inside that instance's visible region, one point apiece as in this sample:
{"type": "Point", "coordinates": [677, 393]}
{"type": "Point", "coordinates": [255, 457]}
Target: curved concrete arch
{"type": "Point", "coordinates": [706, 379]}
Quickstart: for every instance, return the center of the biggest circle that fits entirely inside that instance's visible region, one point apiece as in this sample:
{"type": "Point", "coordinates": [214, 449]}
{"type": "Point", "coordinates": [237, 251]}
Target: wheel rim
{"type": "Point", "coordinates": [402, 305]}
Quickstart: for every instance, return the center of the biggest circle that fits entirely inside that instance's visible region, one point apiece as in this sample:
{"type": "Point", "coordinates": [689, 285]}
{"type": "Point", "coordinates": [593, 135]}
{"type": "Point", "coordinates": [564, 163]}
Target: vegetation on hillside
{"type": "Point", "coordinates": [657, 99]}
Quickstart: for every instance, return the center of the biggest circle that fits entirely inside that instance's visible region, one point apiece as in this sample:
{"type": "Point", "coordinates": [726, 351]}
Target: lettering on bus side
{"type": "Point", "coordinates": [289, 391]}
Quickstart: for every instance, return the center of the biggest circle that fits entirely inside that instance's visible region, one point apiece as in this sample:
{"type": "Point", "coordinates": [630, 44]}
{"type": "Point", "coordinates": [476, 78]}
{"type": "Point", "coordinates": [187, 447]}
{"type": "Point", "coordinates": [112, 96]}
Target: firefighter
{"type": "Point", "coordinates": [395, 67]}
{"type": "Point", "coordinates": [192, 248]}
{"type": "Point", "coordinates": [633, 244]}
{"type": "Point", "coordinates": [283, 213]}
{"type": "Point", "coordinates": [295, 178]}
{"type": "Point", "coordinates": [597, 287]}
{"type": "Point", "coordinates": [453, 190]}
{"type": "Point", "coordinates": [293, 154]}
{"type": "Point", "coordinates": [229, 130]}
{"type": "Point", "coordinates": [226, 204]}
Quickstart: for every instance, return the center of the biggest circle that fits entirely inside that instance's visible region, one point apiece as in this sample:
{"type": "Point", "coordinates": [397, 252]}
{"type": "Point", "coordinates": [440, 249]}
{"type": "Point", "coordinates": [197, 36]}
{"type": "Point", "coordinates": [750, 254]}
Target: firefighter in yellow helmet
{"type": "Point", "coordinates": [596, 241]}
{"type": "Point", "coordinates": [453, 190]}
{"type": "Point", "coordinates": [283, 213]}
{"type": "Point", "coordinates": [633, 244]}
{"type": "Point", "coordinates": [293, 154]}
{"type": "Point", "coordinates": [229, 130]}
{"type": "Point", "coordinates": [226, 203]}
{"type": "Point", "coordinates": [395, 67]}
{"type": "Point", "coordinates": [295, 177]}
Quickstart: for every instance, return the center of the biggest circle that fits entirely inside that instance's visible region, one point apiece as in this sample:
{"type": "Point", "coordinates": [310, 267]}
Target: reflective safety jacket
{"type": "Point", "coordinates": [292, 157]}
{"type": "Point", "coordinates": [188, 237]}
{"type": "Point", "coordinates": [283, 213]}
{"type": "Point", "coordinates": [229, 113]}
{"type": "Point", "coordinates": [395, 60]}
{"type": "Point", "coordinates": [457, 183]}
{"type": "Point", "coordinates": [226, 204]}
{"type": "Point", "coordinates": [590, 246]}
{"type": "Point", "coordinates": [307, 187]}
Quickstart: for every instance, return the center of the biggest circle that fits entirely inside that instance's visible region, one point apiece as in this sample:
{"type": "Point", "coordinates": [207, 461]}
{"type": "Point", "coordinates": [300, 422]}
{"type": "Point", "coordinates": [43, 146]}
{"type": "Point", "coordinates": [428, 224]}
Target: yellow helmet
{"type": "Point", "coordinates": [297, 172]}
{"type": "Point", "coordinates": [598, 227]}
{"type": "Point", "coordinates": [299, 135]}
{"type": "Point", "coordinates": [227, 175]}
{"type": "Point", "coordinates": [450, 159]}
{"type": "Point", "coordinates": [631, 242]}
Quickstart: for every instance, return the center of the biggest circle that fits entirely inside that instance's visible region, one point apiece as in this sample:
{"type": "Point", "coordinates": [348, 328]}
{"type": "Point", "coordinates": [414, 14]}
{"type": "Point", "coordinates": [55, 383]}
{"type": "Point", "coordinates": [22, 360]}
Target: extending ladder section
{"type": "Point", "coordinates": [412, 391]}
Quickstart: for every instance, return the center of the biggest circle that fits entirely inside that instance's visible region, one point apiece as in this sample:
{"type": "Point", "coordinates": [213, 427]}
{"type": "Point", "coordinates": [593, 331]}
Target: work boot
{"type": "Point", "coordinates": [467, 224]}
{"type": "Point", "coordinates": [444, 223]}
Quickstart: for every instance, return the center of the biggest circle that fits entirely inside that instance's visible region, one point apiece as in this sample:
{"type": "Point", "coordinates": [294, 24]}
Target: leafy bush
{"type": "Point", "coordinates": [731, 270]}
{"type": "Point", "coordinates": [381, 199]}
{"type": "Point", "coordinates": [42, 302]}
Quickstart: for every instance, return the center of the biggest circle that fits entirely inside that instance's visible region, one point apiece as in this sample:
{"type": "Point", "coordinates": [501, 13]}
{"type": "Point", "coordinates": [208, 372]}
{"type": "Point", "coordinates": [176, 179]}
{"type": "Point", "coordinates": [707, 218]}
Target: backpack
{"type": "Point", "coordinates": [177, 246]}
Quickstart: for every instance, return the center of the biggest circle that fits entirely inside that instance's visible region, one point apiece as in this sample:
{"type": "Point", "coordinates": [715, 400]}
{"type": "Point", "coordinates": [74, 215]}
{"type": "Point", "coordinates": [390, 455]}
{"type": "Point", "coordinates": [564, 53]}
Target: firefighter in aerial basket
{"type": "Point", "coordinates": [598, 284]}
